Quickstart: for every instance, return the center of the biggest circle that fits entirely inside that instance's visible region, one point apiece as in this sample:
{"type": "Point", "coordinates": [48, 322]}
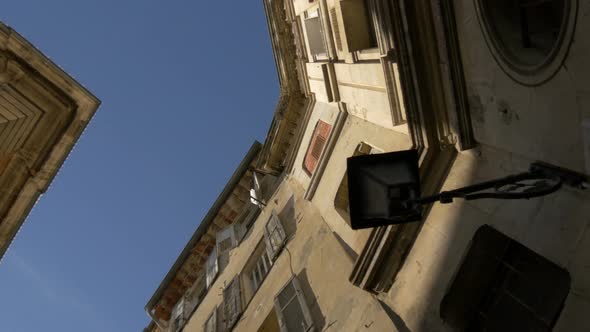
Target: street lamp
{"type": "Point", "coordinates": [384, 189]}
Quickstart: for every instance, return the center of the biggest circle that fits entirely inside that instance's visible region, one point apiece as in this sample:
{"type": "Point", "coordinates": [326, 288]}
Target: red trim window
{"type": "Point", "coordinates": [316, 146]}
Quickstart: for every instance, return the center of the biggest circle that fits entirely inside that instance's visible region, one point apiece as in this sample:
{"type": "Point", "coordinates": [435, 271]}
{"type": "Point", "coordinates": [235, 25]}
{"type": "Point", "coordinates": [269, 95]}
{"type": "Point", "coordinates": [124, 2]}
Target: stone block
{"type": "Point", "coordinates": [557, 229]}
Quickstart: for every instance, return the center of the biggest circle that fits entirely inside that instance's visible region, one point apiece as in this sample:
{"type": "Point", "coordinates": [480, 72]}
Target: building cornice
{"type": "Point", "coordinates": [282, 137]}
{"type": "Point", "coordinates": [205, 226]}
{"type": "Point", "coordinates": [67, 109]}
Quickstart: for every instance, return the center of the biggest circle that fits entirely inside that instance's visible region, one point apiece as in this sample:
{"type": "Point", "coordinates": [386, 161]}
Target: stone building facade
{"type": "Point", "coordinates": [43, 112]}
{"type": "Point", "coordinates": [480, 89]}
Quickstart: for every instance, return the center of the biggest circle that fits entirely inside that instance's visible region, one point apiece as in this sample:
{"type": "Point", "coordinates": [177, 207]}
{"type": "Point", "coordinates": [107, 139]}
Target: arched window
{"type": "Point", "coordinates": [528, 38]}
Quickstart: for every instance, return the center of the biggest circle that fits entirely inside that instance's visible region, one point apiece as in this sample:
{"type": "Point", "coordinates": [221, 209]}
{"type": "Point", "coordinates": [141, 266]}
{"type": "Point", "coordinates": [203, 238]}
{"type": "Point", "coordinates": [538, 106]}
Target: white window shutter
{"type": "Point", "coordinates": [211, 323]}
{"type": "Point", "coordinates": [303, 304]}
{"type": "Point", "coordinates": [232, 301]}
{"type": "Point", "coordinates": [292, 297]}
{"type": "Point", "coordinates": [240, 231]}
{"type": "Point", "coordinates": [226, 239]}
{"type": "Point", "coordinates": [178, 315]}
{"type": "Point", "coordinates": [274, 235]}
{"type": "Point", "coordinates": [212, 268]}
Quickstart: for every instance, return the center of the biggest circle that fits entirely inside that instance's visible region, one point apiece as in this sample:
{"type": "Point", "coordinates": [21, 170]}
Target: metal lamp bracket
{"type": "Point", "coordinates": [541, 179]}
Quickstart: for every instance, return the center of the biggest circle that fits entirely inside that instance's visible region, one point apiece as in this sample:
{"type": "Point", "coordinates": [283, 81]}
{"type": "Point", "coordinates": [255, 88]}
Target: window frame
{"type": "Point", "coordinates": [257, 274]}
{"type": "Point", "coordinates": [492, 268]}
{"type": "Point", "coordinates": [177, 316]}
{"type": "Point", "coordinates": [362, 148]}
{"type": "Point", "coordinates": [311, 14]}
{"type": "Point", "coordinates": [299, 296]}
{"type": "Point", "coordinates": [212, 268]}
{"type": "Point", "coordinates": [212, 316]}
{"type": "Point", "coordinates": [320, 126]}
{"type": "Point", "coordinates": [529, 74]}
{"type": "Point", "coordinates": [273, 251]}
{"type": "Point", "coordinates": [235, 288]}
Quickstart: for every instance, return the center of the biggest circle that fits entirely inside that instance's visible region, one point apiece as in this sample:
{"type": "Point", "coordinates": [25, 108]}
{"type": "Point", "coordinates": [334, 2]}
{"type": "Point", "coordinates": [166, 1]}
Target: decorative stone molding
{"type": "Point", "coordinates": [53, 110]}
{"type": "Point", "coordinates": [416, 53]}
{"type": "Point", "coordinates": [10, 71]}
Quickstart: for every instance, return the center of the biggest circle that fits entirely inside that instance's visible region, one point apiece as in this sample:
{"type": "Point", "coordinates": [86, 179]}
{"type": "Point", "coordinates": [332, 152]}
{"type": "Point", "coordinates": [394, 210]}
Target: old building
{"type": "Point", "coordinates": [43, 112]}
{"type": "Point", "coordinates": [480, 91]}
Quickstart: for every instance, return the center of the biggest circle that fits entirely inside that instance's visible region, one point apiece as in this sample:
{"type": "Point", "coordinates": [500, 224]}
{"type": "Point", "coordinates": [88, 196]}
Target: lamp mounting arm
{"type": "Point", "coordinates": [541, 179]}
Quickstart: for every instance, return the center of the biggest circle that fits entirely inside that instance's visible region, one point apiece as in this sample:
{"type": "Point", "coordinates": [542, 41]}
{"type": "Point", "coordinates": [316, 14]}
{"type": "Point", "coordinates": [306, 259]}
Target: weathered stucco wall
{"type": "Point", "coordinates": [355, 131]}
{"type": "Point", "coordinates": [321, 111]}
{"type": "Point", "coordinates": [316, 256]}
{"type": "Point", "coordinates": [555, 227]}
{"type": "Point", "coordinates": [515, 125]}
{"type": "Point", "coordinates": [362, 88]}
{"type": "Point", "coordinates": [541, 122]}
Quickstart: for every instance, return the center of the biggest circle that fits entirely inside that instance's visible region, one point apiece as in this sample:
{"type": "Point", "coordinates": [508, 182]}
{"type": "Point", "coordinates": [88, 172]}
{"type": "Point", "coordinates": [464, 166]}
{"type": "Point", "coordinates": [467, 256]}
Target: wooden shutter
{"type": "Point", "coordinates": [319, 138]}
{"type": "Point", "coordinates": [226, 239]}
{"type": "Point", "coordinates": [292, 310]}
{"type": "Point", "coordinates": [211, 323]}
{"type": "Point", "coordinates": [274, 235]}
{"type": "Point", "coordinates": [178, 315]}
{"type": "Point", "coordinates": [336, 28]}
{"type": "Point", "coordinates": [212, 268]}
{"type": "Point", "coordinates": [232, 301]}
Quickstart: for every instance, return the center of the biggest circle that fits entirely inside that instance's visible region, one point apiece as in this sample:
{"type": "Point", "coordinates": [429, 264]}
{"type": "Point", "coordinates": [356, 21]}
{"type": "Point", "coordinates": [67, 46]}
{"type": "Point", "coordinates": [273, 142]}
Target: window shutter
{"type": "Point", "coordinates": [240, 231]}
{"type": "Point", "coordinates": [336, 28]}
{"type": "Point", "coordinates": [212, 268]}
{"type": "Point", "coordinates": [232, 302]}
{"type": "Point", "coordinates": [315, 38]}
{"type": "Point", "coordinates": [178, 315]}
{"type": "Point", "coordinates": [226, 239]}
{"type": "Point", "coordinates": [274, 235]}
{"type": "Point", "coordinates": [211, 324]}
{"type": "Point", "coordinates": [319, 139]}
{"type": "Point", "coordinates": [291, 308]}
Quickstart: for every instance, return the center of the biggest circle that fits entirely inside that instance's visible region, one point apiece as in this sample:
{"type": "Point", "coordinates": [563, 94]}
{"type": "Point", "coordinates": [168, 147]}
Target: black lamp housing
{"type": "Point", "coordinates": [382, 189]}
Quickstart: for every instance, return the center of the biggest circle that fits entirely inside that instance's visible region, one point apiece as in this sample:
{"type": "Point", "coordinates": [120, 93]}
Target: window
{"type": "Point", "coordinates": [195, 294]}
{"type": "Point", "coordinates": [525, 36]}
{"type": "Point", "coordinates": [260, 270]}
{"type": "Point", "coordinates": [504, 286]}
{"type": "Point", "coordinates": [212, 267]}
{"type": "Point", "coordinates": [232, 303]}
{"type": "Point", "coordinates": [211, 323]}
{"type": "Point", "coordinates": [372, 35]}
{"type": "Point", "coordinates": [315, 34]}
{"type": "Point", "coordinates": [359, 28]}
{"type": "Point", "coordinates": [255, 271]}
{"type": "Point", "coordinates": [341, 199]}
{"type": "Point", "coordinates": [178, 315]}
{"type": "Point", "coordinates": [274, 235]}
{"type": "Point", "coordinates": [320, 136]}
{"type": "Point", "coordinates": [227, 239]}
{"type": "Point", "coordinates": [292, 309]}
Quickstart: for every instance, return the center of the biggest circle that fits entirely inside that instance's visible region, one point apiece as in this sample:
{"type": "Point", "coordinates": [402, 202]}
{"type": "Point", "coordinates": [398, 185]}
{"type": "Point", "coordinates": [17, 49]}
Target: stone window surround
{"type": "Point", "coordinates": [493, 258]}
{"type": "Point", "coordinates": [544, 71]}
{"type": "Point", "coordinates": [312, 148]}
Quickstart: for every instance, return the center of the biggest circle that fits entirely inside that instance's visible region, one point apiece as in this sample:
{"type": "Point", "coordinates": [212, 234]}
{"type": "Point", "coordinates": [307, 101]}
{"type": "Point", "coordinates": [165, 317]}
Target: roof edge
{"type": "Point", "coordinates": [206, 222]}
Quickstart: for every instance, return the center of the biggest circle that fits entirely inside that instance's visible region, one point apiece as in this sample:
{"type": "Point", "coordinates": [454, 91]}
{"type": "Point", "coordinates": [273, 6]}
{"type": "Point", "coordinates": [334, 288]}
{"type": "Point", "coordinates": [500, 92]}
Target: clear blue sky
{"type": "Point", "coordinates": [186, 87]}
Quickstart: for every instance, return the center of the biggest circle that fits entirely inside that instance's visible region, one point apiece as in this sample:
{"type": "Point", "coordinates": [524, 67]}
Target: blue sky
{"type": "Point", "coordinates": [186, 87]}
